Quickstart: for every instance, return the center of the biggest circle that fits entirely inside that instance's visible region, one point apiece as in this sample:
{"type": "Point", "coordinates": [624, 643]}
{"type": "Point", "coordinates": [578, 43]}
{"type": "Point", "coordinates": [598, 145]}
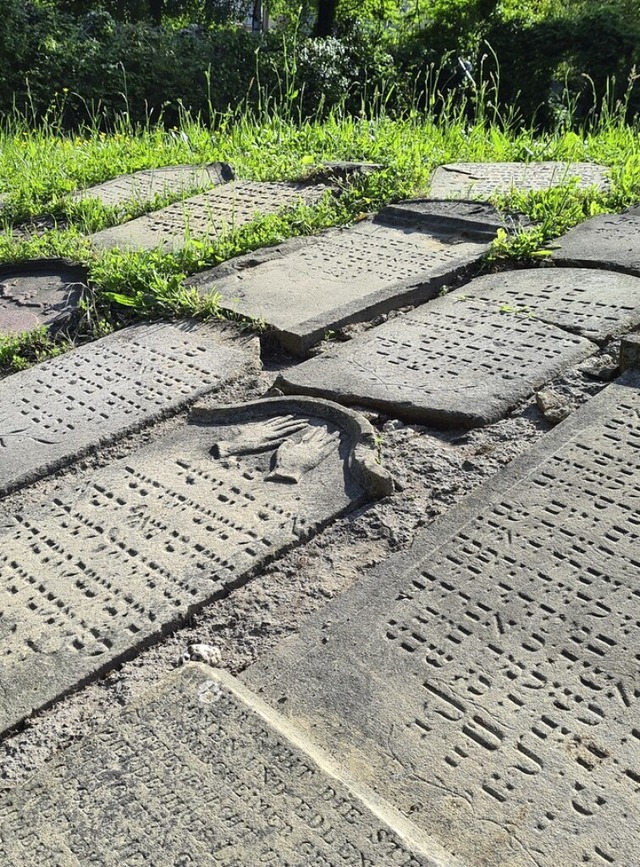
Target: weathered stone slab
{"type": "Point", "coordinates": [487, 680]}
{"type": "Point", "coordinates": [477, 219]}
{"type": "Point", "coordinates": [54, 412]}
{"type": "Point", "coordinates": [595, 304]}
{"type": "Point", "coordinates": [117, 559]}
{"type": "Point", "coordinates": [481, 180]}
{"type": "Point", "coordinates": [143, 186]}
{"type": "Point", "coordinates": [310, 286]}
{"type": "Point", "coordinates": [630, 352]}
{"type": "Point", "coordinates": [454, 361]}
{"type": "Point", "coordinates": [207, 215]}
{"type": "Point", "coordinates": [39, 292]}
{"type": "Point", "coordinates": [609, 241]}
{"type": "Point", "coordinates": [200, 771]}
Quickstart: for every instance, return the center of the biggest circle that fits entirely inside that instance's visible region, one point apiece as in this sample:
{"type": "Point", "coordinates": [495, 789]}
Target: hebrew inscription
{"type": "Point", "coordinates": [593, 303]}
{"type": "Point", "coordinates": [114, 560]}
{"type": "Point", "coordinates": [342, 276]}
{"type": "Point", "coordinates": [207, 215]}
{"type": "Point", "coordinates": [55, 411]}
{"type": "Point", "coordinates": [209, 780]}
{"type": "Point", "coordinates": [482, 180]}
{"type": "Point", "coordinates": [143, 186]}
{"type": "Point", "coordinates": [40, 292]}
{"type": "Point", "coordinates": [454, 361]}
{"type": "Point", "coordinates": [500, 666]}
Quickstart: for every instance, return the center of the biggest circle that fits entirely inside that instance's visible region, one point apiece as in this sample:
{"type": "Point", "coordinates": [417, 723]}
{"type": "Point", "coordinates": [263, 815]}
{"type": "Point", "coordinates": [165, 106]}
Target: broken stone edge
{"type": "Point", "coordinates": [361, 460]}
{"type": "Point", "coordinates": [300, 338]}
{"type": "Point", "coordinates": [385, 580]}
{"type": "Point", "coordinates": [224, 171]}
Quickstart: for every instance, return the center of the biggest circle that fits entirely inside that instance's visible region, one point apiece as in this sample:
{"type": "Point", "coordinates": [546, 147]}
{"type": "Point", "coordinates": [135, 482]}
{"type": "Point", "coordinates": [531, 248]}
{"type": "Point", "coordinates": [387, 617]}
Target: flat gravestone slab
{"type": "Point", "coordinates": [60, 409]}
{"type": "Point", "coordinates": [116, 560]}
{"type": "Point", "coordinates": [39, 292]}
{"type": "Point", "coordinates": [595, 304]}
{"type": "Point", "coordinates": [481, 180]}
{"type": "Point", "coordinates": [200, 771]}
{"type": "Point", "coordinates": [143, 186]}
{"type": "Point", "coordinates": [310, 286]}
{"type": "Point", "coordinates": [207, 215]}
{"type": "Point", "coordinates": [487, 680]}
{"type": "Point", "coordinates": [453, 362]}
{"type": "Point", "coordinates": [609, 241]}
{"type": "Point", "coordinates": [478, 219]}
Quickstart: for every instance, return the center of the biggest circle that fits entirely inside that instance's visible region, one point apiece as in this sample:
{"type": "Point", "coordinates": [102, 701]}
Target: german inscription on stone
{"type": "Point", "coordinates": [608, 241]}
{"type": "Point", "coordinates": [143, 186]}
{"type": "Point", "coordinates": [454, 361]}
{"type": "Point", "coordinates": [343, 276]}
{"type": "Point", "coordinates": [481, 180]}
{"type": "Point", "coordinates": [207, 216]}
{"type": "Point", "coordinates": [593, 303]}
{"type": "Point", "coordinates": [37, 293]}
{"type": "Point", "coordinates": [489, 680]}
{"type": "Point", "coordinates": [112, 561]}
{"type": "Point", "coordinates": [57, 410]}
{"type": "Point", "coordinates": [198, 772]}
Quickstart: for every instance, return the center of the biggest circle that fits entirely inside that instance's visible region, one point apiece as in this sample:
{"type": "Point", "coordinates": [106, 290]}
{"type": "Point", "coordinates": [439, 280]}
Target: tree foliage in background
{"type": "Point", "coordinates": [543, 60]}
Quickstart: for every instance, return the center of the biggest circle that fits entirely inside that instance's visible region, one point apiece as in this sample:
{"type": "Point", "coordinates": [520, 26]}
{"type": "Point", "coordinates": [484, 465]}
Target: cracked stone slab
{"type": "Point", "coordinates": [481, 180]}
{"type": "Point", "coordinates": [39, 292]}
{"type": "Point", "coordinates": [208, 215]}
{"type": "Point", "coordinates": [595, 304]}
{"type": "Point", "coordinates": [118, 559]}
{"type": "Point", "coordinates": [610, 241]}
{"type": "Point", "coordinates": [309, 286]}
{"type": "Point", "coordinates": [144, 185]}
{"type": "Point", "coordinates": [200, 771]}
{"type": "Point", "coordinates": [487, 679]}
{"type": "Point", "coordinates": [456, 361]}
{"type": "Point", "coordinates": [62, 408]}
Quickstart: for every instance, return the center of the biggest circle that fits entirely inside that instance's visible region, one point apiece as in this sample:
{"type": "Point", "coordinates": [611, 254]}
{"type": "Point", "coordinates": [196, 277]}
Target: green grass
{"type": "Point", "coordinates": [39, 168]}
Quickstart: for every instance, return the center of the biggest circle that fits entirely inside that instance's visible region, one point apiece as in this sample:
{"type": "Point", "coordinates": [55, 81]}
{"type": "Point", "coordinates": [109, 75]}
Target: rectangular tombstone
{"type": "Point", "coordinates": [58, 410]}
{"type": "Point", "coordinates": [144, 185]}
{"type": "Point", "coordinates": [487, 680]}
{"type": "Point", "coordinates": [200, 771]}
{"type": "Point", "coordinates": [121, 556]}
{"type": "Point", "coordinates": [453, 362]}
{"type": "Point", "coordinates": [311, 286]}
{"type": "Point", "coordinates": [208, 215]}
{"type": "Point", "coordinates": [610, 241]}
{"type": "Point", "coordinates": [595, 304]}
{"type": "Point", "coordinates": [482, 180]}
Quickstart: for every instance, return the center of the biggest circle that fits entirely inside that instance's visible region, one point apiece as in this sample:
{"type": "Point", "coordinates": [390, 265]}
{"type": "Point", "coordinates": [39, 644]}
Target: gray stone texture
{"type": "Point", "coordinates": [118, 558]}
{"type": "Point", "coordinates": [144, 185]}
{"type": "Point", "coordinates": [310, 286]}
{"type": "Point", "coordinates": [477, 219]}
{"type": "Point", "coordinates": [609, 241]}
{"type": "Point", "coordinates": [487, 680]}
{"type": "Point", "coordinates": [481, 180]}
{"type": "Point", "coordinates": [208, 215]}
{"type": "Point", "coordinates": [200, 772]}
{"type": "Point", "coordinates": [454, 362]}
{"type": "Point", "coordinates": [630, 352]}
{"type": "Point", "coordinates": [39, 292]}
{"type": "Point", "coordinates": [592, 303]}
{"type": "Point", "coordinates": [94, 394]}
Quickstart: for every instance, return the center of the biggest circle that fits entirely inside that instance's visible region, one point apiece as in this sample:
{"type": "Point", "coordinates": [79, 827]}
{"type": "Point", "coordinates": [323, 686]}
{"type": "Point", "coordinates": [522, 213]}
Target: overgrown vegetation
{"type": "Point", "coordinates": [305, 109]}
